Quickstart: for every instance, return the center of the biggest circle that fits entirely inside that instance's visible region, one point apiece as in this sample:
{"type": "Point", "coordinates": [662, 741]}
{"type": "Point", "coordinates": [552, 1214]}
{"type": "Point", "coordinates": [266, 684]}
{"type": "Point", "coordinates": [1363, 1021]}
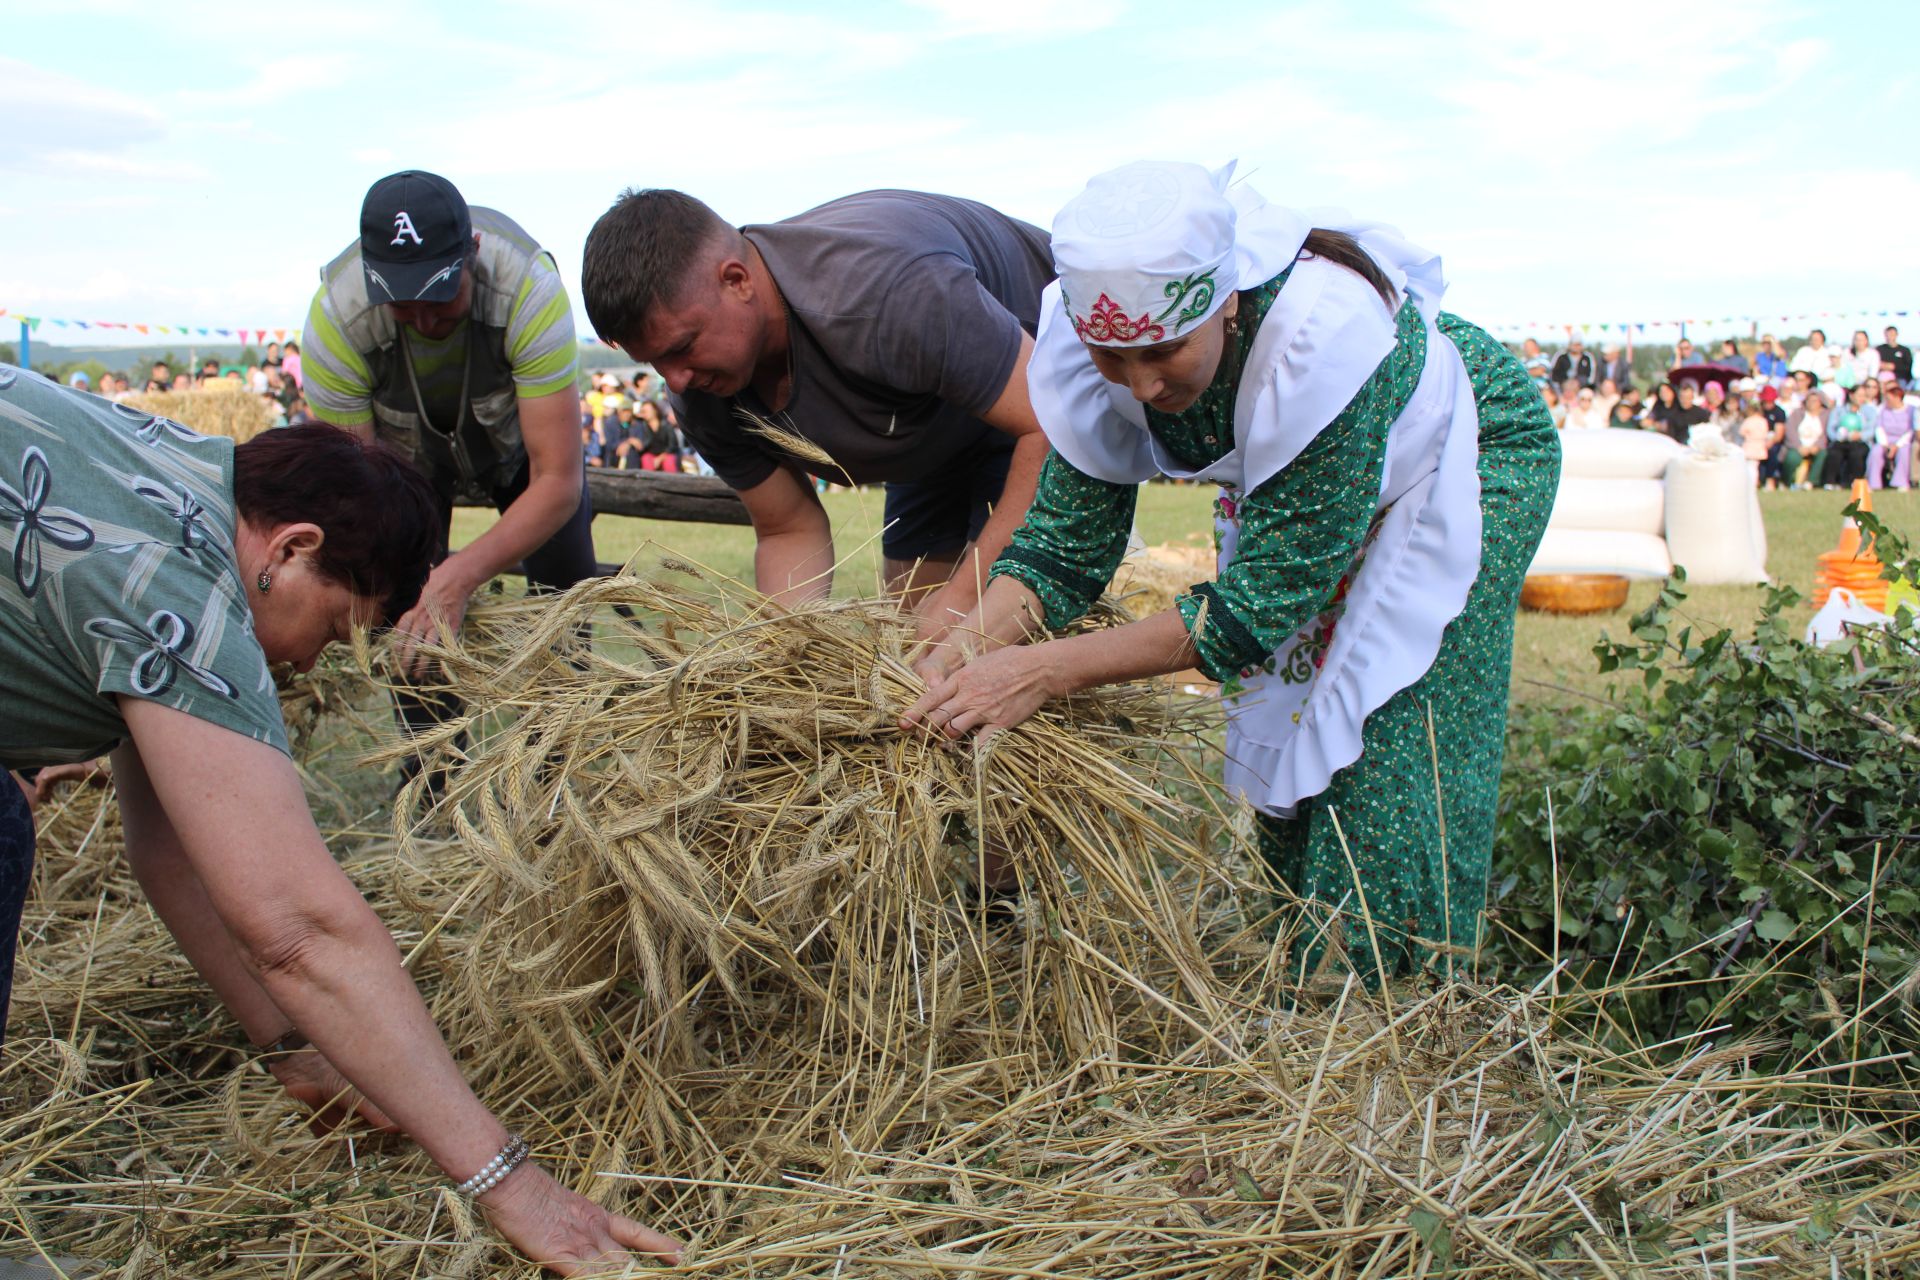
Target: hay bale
{"type": "Point", "coordinates": [220, 410]}
{"type": "Point", "coordinates": [690, 920]}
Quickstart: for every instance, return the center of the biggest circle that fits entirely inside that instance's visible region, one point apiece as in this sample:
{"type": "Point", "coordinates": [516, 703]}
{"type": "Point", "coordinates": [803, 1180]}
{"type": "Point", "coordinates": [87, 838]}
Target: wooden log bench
{"type": "Point", "coordinates": [659, 495]}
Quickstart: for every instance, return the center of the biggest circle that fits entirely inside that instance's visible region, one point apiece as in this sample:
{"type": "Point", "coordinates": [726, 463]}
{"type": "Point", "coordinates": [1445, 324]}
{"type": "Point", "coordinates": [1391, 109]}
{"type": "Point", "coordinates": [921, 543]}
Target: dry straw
{"type": "Point", "coordinates": [1151, 579]}
{"type": "Point", "coordinates": [705, 926]}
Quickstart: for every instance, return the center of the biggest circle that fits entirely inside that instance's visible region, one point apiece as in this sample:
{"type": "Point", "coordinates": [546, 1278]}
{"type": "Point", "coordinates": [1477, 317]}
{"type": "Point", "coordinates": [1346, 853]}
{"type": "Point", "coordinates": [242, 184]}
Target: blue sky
{"type": "Point", "coordinates": [1644, 160]}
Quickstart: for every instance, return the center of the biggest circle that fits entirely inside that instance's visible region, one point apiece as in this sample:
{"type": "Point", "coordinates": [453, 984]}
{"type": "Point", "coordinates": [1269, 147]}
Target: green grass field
{"type": "Point", "coordinates": [1552, 655]}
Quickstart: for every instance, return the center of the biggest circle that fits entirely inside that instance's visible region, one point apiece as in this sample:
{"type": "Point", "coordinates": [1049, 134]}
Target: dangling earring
{"type": "Point", "coordinates": [264, 582]}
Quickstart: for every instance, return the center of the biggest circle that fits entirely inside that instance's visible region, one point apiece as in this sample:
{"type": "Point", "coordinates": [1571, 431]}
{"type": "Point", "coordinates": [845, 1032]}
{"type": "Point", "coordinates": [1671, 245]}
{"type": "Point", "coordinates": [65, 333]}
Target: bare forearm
{"type": "Point", "coordinates": [549, 501]}
{"type": "Point", "coordinates": [346, 989]}
{"type": "Point", "coordinates": [1153, 646]}
{"type": "Point", "coordinates": [1008, 613]}
{"type": "Point", "coordinates": [795, 567]}
{"type": "Point", "coordinates": [235, 809]}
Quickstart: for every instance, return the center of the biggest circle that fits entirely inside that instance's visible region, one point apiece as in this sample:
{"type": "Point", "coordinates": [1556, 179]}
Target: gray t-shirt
{"type": "Point", "coordinates": [906, 314]}
{"type": "Point", "coordinates": [117, 577]}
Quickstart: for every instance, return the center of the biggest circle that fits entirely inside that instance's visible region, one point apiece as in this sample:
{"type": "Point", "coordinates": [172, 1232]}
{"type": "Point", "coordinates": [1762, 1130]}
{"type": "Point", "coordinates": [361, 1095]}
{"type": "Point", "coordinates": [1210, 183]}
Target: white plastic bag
{"type": "Point", "coordinates": [1713, 519]}
{"type": "Point", "coordinates": [1841, 614]}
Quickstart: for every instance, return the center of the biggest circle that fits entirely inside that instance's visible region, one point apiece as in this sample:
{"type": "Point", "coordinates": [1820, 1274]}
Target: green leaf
{"type": "Point", "coordinates": [1435, 1233]}
{"type": "Point", "coordinates": [1246, 1188]}
{"type": "Point", "coordinates": [1776, 926]}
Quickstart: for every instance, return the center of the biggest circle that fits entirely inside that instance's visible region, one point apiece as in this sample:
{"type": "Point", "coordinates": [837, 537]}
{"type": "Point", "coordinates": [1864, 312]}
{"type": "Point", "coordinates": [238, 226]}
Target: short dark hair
{"type": "Point", "coordinates": [379, 514]}
{"type": "Point", "coordinates": [639, 254]}
{"type": "Point", "coordinates": [1821, 332]}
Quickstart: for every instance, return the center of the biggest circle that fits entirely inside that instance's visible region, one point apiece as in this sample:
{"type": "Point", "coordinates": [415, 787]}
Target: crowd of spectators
{"type": "Point", "coordinates": [1818, 416]}
{"type": "Point", "coordinates": [274, 377]}
{"type": "Point", "coordinates": [628, 424]}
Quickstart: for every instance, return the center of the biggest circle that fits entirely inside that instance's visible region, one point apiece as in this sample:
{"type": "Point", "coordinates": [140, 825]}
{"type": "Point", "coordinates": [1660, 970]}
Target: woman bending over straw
{"type": "Point", "coordinates": [148, 578]}
{"type": "Point", "coordinates": [1385, 472]}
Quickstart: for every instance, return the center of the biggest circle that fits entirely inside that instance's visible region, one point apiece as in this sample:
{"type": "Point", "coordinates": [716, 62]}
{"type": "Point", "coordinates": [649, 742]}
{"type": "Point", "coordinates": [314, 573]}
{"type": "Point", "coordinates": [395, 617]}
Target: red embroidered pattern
{"type": "Point", "coordinates": [1110, 324]}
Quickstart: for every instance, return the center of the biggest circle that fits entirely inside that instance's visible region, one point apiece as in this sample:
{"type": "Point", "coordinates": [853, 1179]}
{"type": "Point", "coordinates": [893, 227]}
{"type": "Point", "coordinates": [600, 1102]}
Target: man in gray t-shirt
{"type": "Point", "coordinates": [889, 330]}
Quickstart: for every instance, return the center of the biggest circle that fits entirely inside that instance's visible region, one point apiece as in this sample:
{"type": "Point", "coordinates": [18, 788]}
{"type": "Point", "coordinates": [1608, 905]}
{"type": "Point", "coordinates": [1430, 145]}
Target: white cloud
{"type": "Point", "coordinates": [1019, 19]}
{"type": "Point", "coordinates": [57, 122]}
{"type": "Point", "coordinates": [271, 81]}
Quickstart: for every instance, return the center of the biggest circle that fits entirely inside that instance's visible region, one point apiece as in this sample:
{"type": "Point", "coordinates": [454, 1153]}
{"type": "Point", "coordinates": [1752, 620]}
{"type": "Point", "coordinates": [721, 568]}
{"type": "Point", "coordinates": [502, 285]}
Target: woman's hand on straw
{"type": "Point", "coordinates": [994, 691]}
{"type": "Point", "coordinates": [935, 662]}
{"type": "Point", "coordinates": [564, 1231]}
{"type": "Point", "coordinates": [310, 1079]}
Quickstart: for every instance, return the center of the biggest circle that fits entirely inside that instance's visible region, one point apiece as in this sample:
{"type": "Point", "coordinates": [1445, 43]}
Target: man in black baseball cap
{"type": "Point", "coordinates": [415, 238]}
{"type": "Point", "coordinates": [446, 331]}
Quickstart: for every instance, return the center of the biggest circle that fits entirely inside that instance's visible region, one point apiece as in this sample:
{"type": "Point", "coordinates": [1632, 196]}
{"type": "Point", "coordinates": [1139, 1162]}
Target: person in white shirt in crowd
{"type": "Point", "coordinates": [1605, 397]}
{"type": "Point", "coordinates": [1864, 358]}
{"type": "Point", "coordinates": [1584, 414]}
{"type": "Point", "coordinates": [1816, 357]}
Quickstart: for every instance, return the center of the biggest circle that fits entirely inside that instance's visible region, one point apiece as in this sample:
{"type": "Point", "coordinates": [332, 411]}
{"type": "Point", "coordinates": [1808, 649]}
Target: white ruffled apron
{"type": "Point", "coordinates": [1296, 719]}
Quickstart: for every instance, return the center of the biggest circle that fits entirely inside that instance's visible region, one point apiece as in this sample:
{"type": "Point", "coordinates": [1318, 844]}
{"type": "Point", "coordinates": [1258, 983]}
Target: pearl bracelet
{"type": "Point", "coordinates": [495, 1171]}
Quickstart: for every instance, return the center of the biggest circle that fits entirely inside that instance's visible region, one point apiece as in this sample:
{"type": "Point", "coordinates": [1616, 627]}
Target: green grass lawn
{"type": "Point", "coordinates": [1552, 655]}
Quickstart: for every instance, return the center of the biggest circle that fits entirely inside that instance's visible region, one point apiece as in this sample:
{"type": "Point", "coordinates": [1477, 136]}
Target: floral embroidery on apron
{"type": "Point", "coordinates": [1300, 658]}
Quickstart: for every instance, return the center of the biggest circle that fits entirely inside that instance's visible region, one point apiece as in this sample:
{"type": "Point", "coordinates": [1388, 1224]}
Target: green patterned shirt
{"type": "Point", "coordinates": [117, 577]}
{"type": "Point", "coordinates": [1299, 531]}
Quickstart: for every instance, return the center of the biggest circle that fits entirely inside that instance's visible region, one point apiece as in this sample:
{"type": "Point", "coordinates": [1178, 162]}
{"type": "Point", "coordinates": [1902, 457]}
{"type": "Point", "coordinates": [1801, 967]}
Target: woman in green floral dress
{"type": "Point", "coordinates": [1385, 471]}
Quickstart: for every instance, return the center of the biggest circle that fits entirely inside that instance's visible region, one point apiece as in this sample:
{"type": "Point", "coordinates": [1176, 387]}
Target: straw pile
{"type": "Point", "coordinates": [220, 410]}
{"type": "Point", "coordinates": [694, 916]}
{"type": "Point", "coordinates": [1152, 578]}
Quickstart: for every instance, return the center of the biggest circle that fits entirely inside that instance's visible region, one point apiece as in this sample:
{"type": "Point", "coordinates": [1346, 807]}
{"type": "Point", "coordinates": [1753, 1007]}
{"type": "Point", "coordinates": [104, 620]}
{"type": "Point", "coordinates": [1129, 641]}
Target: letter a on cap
{"type": "Point", "coordinates": [402, 228]}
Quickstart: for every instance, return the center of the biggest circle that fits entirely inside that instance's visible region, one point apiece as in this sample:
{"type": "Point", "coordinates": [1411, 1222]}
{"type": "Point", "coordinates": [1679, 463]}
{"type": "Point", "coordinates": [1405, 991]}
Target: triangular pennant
{"type": "Point", "coordinates": [279, 335]}
{"type": "Point", "coordinates": [32, 322]}
{"type": "Point", "coordinates": [142, 328]}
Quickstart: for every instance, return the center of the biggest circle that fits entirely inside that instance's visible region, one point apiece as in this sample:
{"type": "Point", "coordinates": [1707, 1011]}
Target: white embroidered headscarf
{"type": "Point", "coordinates": [1145, 253]}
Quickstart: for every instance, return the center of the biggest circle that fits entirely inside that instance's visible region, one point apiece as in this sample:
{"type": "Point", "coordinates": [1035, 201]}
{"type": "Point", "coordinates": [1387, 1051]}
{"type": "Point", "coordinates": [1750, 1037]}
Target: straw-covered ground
{"type": "Point", "coordinates": [708, 929]}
